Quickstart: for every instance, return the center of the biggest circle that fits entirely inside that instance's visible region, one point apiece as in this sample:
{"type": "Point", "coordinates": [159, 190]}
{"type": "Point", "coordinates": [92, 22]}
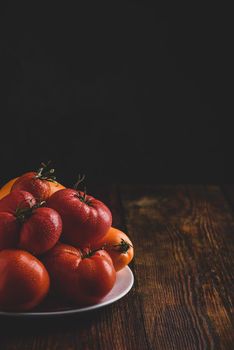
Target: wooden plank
{"type": "Point", "coordinates": [184, 264]}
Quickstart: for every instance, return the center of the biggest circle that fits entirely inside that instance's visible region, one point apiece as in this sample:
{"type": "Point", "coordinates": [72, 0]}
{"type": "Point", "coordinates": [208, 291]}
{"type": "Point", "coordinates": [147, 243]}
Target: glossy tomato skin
{"type": "Point", "coordinates": [81, 280]}
{"type": "Point", "coordinates": [40, 189]}
{"type": "Point", "coordinates": [119, 247]}
{"type": "Point", "coordinates": [17, 200]}
{"type": "Point", "coordinates": [36, 231]}
{"type": "Point", "coordinates": [62, 262]}
{"type": "Point", "coordinates": [83, 221]}
{"type": "Point", "coordinates": [9, 231]}
{"type": "Point", "coordinates": [96, 278]}
{"type": "Point", "coordinates": [41, 231]}
{"type": "Point", "coordinates": [24, 281]}
{"type": "Point", "coordinates": [6, 189]}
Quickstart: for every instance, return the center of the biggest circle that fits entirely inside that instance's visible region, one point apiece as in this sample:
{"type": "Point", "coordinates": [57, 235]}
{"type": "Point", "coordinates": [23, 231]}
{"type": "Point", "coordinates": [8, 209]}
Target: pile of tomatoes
{"type": "Point", "coordinates": [56, 241]}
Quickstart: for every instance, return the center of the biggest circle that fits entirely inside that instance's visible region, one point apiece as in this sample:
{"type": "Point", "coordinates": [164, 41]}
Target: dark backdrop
{"type": "Point", "coordinates": [122, 91]}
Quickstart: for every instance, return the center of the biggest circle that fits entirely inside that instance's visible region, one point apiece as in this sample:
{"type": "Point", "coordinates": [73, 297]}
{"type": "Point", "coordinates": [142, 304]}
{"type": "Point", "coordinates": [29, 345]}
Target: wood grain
{"type": "Point", "coordinates": [184, 264]}
{"type": "Point", "coordinates": [184, 271]}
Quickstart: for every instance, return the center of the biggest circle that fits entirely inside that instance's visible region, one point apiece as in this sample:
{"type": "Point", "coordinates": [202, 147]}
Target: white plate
{"type": "Point", "coordinates": [123, 284]}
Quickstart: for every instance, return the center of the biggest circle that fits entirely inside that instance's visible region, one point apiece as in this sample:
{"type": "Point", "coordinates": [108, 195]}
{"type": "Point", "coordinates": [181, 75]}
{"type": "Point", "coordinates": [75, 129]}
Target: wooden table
{"type": "Point", "coordinates": [183, 294]}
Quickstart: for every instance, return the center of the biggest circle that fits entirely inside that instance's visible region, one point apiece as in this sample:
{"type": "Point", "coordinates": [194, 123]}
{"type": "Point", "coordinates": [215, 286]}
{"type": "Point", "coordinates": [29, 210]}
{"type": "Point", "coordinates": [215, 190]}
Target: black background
{"type": "Point", "coordinates": [122, 91]}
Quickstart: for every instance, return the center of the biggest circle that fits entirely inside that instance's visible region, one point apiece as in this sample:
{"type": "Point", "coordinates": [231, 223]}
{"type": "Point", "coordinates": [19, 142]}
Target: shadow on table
{"type": "Point", "coordinates": [11, 327]}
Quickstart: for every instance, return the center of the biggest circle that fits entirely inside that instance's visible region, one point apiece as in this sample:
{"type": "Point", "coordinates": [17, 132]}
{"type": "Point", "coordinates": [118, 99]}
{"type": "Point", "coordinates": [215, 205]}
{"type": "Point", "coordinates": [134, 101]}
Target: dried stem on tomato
{"type": "Point", "coordinates": [90, 252]}
{"type": "Point", "coordinates": [79, 181]}
{"type": "Point", "coordinates": [122, 247]}
{"type": "Point", "coordinates": [45, 172]}
{"type": "Point", "coordinates": [23, 214]}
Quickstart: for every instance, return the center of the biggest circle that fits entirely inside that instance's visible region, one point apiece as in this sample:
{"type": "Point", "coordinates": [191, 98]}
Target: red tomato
{"type": "Point", "coordinates": [33, 229]}
{"type": "Point", "coordinates": [9, 231]}
{"type": "Point", "coordinates": [36, 182]}
{"type": "Point", "coordinates": [85, 219]}
{"type": "Point", "coordinates": [5, 190]}
{"type": "Point", "coordinates": [84, 280]}
{"type": "Point", "coordinates": [41, 231]}
{"type": "Point", "coordinates": [119, 247]}
{"type": "Point", "coordinates": [17, 200]}
{"type": "Point", "coordinates": [24, 281]}
{"type": "Point", "coordinates": [40, 189]}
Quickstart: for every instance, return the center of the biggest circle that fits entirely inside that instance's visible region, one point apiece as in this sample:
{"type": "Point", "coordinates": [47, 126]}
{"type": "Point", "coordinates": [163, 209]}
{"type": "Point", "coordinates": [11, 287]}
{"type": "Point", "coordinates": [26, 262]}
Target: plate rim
{"type": "Point", "coordinates": [75, 310]}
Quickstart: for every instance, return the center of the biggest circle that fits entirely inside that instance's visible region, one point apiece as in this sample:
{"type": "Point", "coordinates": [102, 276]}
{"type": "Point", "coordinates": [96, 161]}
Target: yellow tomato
{"type": "Point", "coordinates": [7, 188]}
{"type": "Point", "coordinates": [54, 187]}
{"type": "Point", "coordinates": [119, 247]}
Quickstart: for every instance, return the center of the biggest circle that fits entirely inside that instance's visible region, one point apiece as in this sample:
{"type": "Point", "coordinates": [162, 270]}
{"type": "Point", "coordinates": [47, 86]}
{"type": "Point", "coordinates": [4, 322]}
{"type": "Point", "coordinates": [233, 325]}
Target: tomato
{"type": "Point", "coordinates": [17, 200]}
{"type": "Point", "coordinates": [6, 189]}
{"type": "Point", "coordinates": [24, 281]}
{"type": "Point", "coordinates": [85, 219]}
{"type": "Point", "coordinates": [119, 247]}
{"type": "Point", "coordinates": [33, 228]}
{"type": "Point", "coordinates": [41, 231]}
{"type": "Point", "coordinates": [9, 231]}
{"type": "Point", "coordinates": [82, 279]}
{"type": "Point", "coordinates": [54, 187]}
{"type": "Point", "coordinates": [30, 183]}
{"type": "Point", "coordinates": [37, 183]}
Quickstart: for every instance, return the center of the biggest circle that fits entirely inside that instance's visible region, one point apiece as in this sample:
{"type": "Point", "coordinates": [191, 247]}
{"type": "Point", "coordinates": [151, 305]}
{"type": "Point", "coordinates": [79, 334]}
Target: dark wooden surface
{"type": "Point", "coordinates": [183, 293]}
